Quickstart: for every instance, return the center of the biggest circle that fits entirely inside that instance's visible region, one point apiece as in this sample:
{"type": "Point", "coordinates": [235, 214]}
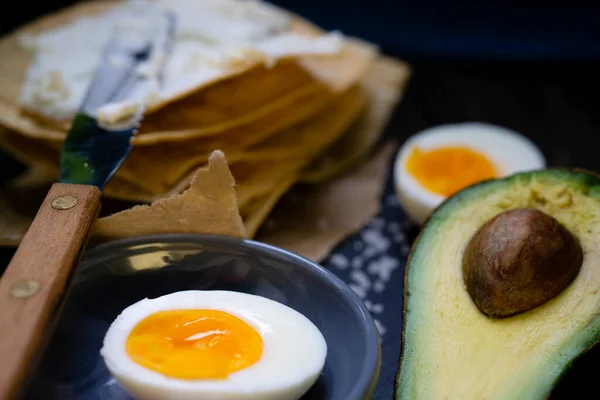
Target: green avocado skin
{"type": "Point", "coordinates": [411, 379]}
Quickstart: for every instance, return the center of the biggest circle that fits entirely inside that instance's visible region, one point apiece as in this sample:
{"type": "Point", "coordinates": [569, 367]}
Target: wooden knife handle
{"type": "Point", "coordinates": [37, 280]}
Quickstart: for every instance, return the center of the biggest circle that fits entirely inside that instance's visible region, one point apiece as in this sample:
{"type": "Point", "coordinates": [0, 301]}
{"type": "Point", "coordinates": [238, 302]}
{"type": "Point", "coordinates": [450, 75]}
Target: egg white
{"type": "Point", "coordinates": [509, 151]}
{"type": "Point", "coordinates": [294, 350]}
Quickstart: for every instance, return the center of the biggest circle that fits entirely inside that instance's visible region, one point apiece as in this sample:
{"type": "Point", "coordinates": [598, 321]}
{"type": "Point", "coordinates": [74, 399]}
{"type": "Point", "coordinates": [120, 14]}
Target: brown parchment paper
{"type": "Point", "coordinates": [312, 219]}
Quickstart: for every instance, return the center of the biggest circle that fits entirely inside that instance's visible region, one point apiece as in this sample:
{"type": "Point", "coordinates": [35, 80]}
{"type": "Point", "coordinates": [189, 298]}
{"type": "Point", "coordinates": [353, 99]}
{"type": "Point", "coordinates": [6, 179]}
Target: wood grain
{"type": "Point", "coordinates": [44, 263]}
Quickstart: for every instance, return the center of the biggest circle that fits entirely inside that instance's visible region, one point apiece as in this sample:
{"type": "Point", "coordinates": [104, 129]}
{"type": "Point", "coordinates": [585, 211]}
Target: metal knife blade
{"type": "Point", "coordinates": [93, 150]}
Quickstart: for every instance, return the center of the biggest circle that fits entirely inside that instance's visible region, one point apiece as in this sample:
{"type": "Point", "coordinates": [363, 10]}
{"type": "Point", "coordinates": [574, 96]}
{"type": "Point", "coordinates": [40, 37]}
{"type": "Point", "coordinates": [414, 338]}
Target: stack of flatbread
{"type": "Point", "coordinates": [281, 98]}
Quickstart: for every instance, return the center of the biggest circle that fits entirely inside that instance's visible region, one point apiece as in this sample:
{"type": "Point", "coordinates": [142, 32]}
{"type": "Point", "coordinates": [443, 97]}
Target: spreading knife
{"type": "Point", "coordinates": [36, 282]}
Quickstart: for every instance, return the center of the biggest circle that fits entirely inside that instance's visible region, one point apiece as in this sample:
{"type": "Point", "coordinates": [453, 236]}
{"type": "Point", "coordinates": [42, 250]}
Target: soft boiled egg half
{"type": "Point", "coordinates": [438, 162]}
{"type": "Point", "coordinates": [213, 345]}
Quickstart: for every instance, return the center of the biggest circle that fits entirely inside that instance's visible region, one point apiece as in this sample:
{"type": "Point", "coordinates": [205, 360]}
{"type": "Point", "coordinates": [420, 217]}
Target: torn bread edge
{"type": "Point", "coordinates": [208, 206]}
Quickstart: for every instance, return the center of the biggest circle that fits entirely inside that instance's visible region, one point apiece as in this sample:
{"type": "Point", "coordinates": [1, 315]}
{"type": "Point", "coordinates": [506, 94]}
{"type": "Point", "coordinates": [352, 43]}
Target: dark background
{"type": "Point", "coordinates": [530, 67]}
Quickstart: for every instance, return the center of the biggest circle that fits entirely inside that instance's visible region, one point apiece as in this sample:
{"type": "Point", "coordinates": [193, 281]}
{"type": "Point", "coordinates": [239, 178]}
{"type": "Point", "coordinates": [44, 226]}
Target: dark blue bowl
{"type": "Point", "coordinates": [116, 275]}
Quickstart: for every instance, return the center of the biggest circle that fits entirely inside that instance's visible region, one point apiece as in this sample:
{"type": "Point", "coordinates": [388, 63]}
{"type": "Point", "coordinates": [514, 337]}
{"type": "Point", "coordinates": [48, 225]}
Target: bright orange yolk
{"type": "Point", "coordinates": [446, 170]}
{"type": "Point", "coordinates": [194, 344]}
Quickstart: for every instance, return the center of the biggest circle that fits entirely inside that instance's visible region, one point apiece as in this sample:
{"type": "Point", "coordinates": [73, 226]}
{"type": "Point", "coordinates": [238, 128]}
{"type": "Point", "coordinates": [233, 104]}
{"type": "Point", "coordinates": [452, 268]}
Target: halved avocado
{"type": "Point", "coordinates": [451, 349]}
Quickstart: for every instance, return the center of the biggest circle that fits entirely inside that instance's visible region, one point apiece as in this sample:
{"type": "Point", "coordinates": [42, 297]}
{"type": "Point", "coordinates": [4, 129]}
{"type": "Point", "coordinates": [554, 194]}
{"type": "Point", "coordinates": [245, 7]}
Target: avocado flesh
{"type": "Point", "coordinates": [453, 351]}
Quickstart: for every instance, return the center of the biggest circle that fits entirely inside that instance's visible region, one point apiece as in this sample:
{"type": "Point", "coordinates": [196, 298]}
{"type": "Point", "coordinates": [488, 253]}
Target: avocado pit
{"type": "Point", "coordinates": [519, 260]}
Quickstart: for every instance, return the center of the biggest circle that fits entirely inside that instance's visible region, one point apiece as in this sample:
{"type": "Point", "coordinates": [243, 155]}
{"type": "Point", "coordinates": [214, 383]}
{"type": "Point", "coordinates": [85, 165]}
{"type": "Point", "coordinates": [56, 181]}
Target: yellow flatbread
{"type": "Point", "coordinates": [339, 72]}
{"type": "Point", "coordinates": [160, 171]}
{"type": "Point", "coordinates": [227, 104]}
{"type": "Point", "coordinates": [300, 144]}
{"type": "Point", "coordinates": [159, 167]}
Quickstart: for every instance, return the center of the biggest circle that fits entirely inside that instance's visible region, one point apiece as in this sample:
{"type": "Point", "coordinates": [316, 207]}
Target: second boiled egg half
{"type": "Point", "coordinates": [438, 162]}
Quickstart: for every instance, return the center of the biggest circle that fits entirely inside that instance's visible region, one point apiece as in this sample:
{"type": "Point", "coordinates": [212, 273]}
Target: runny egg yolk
{"type": "Point", "coordinates": [194, 344]}
{"type": "Point", "coordinates": [446, 170]}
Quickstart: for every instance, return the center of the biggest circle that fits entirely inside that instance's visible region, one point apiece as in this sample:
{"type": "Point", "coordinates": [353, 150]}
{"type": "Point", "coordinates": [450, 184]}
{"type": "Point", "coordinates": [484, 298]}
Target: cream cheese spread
{"type": "Point", "coordinates": [212, 38]}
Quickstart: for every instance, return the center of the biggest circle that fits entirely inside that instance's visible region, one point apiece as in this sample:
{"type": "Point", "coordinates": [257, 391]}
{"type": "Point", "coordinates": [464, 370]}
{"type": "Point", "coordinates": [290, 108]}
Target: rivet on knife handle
{"type": "Point", "coordinates": [64, 202]}
{"type": "Point", "coordinates": [35, 283]}
{"type": "Point", "coordinates": [25, 288]}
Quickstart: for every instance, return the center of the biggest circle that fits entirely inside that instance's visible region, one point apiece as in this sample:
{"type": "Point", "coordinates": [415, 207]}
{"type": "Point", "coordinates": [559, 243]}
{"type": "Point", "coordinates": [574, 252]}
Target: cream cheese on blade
{"type": "Point", "coordinates": [135, 32]}
{"type": "Point", "coordinates": [113, 113]}
{"type": "Point", "coordinates": [213, 36]}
